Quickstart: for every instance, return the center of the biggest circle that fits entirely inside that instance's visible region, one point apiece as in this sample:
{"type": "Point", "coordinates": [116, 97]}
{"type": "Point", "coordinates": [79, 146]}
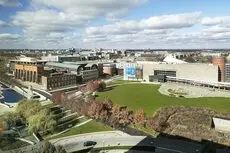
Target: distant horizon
{"type": "Point", "coordinates": [141, 49]}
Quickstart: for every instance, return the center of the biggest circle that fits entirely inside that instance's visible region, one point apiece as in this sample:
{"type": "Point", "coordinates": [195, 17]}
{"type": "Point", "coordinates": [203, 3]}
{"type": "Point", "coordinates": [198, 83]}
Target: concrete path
{"type": "Point", "coordinates": [83, 123]}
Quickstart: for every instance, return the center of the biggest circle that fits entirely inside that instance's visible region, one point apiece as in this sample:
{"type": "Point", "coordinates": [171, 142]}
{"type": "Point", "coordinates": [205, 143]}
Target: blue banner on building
{"type": "Point", "coordinates": [131, 72]}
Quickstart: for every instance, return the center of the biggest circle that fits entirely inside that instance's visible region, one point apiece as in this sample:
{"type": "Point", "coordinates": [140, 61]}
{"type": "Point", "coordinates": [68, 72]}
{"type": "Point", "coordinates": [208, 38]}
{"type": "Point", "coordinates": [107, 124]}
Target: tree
{"type": "Point", "coordinates": [50, 148]}
{"type": "Point", "coordinates": [139, 117]}
{"type": "Point", "coordinates": [108, 104]}
{"type": "Point", "coordinates": [101, 86]}
{"type": "Point", "coordinates": [42, 121]}
{"type": "Point", "coordinates": [12, 119]}
{"type": "Point", "coordinates": [60, 149]}
{"type": "Point", "coordinates": [107, 110]}
{"type": "Point", "coordinates": [115, 116]}
{"type": "Point", "coordinates": [157, 124]}
{"type": "Point", "coordinates": [92, 109]}
{"type": "Point", "coordinates": [95, 109]}
{"type": "Point", "coordinates": [28, 108]}
{"type": "Point", "coordinates": [59, 97]}
{"type": "Point", "coordinates": [151, 123]}
{"type": "Point", "coordinates": [125, 117]}
{"type": "Point", "coordinates": [1, 127]}
{"type": "Point", "coordinates": [78, 105]}
{"type": "Point", "coordinates": [90, 86]}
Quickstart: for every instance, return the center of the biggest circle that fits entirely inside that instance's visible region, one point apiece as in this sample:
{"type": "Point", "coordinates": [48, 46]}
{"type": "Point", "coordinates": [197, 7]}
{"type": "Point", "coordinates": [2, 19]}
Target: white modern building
{"type": "Point", "coordinates": [155, 71]}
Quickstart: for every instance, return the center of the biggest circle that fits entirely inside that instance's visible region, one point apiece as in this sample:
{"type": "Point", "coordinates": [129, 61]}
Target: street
{"type": "Point", "coordinates": [103, 139]}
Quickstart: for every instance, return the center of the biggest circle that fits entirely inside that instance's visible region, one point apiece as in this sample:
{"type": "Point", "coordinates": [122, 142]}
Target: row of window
{"type": "Point", "coordinates": [58, 84]}
{"type": "Point", "coordinates": [62, 79]}
{"type": "Point", "coordinates": [166, 73]}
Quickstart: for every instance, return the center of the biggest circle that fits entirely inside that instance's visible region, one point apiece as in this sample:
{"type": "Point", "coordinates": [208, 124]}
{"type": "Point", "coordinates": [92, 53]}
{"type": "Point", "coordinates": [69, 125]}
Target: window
{"type": "Point", "coordinates": [166, 73]}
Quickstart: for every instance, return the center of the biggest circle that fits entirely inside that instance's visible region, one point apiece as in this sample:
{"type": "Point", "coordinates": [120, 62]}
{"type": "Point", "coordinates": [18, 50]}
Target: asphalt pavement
{"type": "Point", "coordinates": [103, 139]}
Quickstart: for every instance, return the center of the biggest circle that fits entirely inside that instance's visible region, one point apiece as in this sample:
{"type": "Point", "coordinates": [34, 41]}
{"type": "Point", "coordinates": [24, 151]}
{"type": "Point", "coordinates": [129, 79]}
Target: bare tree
{"type": "Point", "coordinates": [139, 117]}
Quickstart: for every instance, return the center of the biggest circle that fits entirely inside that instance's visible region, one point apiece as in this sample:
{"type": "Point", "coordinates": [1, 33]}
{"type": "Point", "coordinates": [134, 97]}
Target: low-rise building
{"type": "Point", "coordinates": [28, 69]}
{"type": "Point", "coordinates": [227, 72]}
{"type": "Point", "coordinates": [156, 71]}
{"type": "Point", "coordinates": [61, 58]}
{"type": "Point", "coordinates": [89, 75]}
{"type": "Point", "coordinates": [109, 69]}
{"type": "Point", "coordinates": [58, 80]}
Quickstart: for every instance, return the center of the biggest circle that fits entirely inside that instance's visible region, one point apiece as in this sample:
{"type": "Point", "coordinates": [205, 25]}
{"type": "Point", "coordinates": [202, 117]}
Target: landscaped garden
{"type": "Point", "coordinates": [146, 96]}
{"type": "Point", "coordinates": [177, 91]}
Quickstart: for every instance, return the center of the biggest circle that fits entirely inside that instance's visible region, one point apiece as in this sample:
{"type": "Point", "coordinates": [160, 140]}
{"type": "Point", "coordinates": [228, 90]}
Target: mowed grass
{"type": "Point", "coordinates": [121, 82]}
{"type": "Point", "coordinates": [89, 127]}
{"type": "Point", "coordinates": [146, 96]}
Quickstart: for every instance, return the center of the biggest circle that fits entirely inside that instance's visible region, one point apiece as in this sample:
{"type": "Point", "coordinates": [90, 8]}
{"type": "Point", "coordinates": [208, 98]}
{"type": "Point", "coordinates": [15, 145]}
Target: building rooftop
{"type": "Point", "coordinates": [172, 60]}
{"type": "Point", "coordinates": [28, 59]}
{"type": "Point", "coordinates": [63, 65]}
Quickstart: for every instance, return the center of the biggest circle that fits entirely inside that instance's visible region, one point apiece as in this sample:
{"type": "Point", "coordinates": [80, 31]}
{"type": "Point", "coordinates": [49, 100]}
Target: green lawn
{"type": "Point", "coordinates": [121, 82]}
{"type": "Point", "coordinates": [146, 96]}
{"type": "Point", "coordinates": [91, 126]}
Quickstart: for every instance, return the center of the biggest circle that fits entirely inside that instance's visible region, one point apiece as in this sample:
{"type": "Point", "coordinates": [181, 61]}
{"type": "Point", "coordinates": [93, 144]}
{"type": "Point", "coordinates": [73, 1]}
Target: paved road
{"type": "Point", "coordinates": [102, 138]}
{"type": "Point", "coordinates": [43, 93]}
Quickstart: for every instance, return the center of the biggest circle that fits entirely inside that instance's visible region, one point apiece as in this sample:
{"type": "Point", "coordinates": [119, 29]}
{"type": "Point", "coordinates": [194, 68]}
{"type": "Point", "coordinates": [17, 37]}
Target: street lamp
{"type": "Point", "coordinates": [103, 143]}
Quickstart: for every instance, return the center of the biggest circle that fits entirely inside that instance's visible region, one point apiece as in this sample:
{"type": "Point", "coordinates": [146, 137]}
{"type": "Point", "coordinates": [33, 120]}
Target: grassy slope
{"type": "Point", "coordinates": [92, 126]}
{"type": "Point", "coordinates": [147, 97]}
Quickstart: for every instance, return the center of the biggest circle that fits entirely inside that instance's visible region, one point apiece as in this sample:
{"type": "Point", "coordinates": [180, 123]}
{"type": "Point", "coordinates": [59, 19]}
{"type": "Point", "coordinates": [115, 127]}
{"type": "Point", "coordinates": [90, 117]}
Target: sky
{"type": "Point", "coordinates": [121, 24]}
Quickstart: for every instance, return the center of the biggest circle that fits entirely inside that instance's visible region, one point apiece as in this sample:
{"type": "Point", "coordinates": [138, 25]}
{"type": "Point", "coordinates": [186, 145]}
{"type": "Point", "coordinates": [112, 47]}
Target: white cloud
{"type": "Point", "coordinates": [222, 20]}
{"type": "Point", "coordinates": [62, 24]}
{"type": "Point", "coordinates": [3, 23]}
{"type": "Point", "coordinates": [175, 21]}
{"type": "Point", "coordinates": [93, 8]}
{"type": "Point", "coordinates": [44, 21]}
{"type": "Point", "coordinates": [10, 3]}
{"type": "Point", "coordinates": [47, 18]}
{"type": "Point", "coordinates": [9, 37]}
{"type": "Point", "coordinates": [216, 29]}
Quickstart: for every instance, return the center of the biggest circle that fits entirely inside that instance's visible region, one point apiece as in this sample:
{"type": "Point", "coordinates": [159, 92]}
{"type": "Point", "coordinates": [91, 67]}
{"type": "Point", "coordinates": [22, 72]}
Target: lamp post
{"type": "Point", "coordinates": [103, 143]}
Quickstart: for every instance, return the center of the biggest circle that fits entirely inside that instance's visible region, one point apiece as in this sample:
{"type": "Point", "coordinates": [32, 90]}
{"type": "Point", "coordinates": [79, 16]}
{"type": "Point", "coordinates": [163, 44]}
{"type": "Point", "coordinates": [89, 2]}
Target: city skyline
{"type": "Point", "coordinates": [114, 24]}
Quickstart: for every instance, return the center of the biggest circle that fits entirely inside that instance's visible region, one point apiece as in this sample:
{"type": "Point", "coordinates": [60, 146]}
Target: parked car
{"type": "Point", "coordinates": [89, 143]}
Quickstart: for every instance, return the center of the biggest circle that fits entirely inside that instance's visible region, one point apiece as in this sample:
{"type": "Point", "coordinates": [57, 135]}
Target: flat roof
{"type": "Point", "coordinates": [63, 65]}
{"type": "Point", "coordinates": [29, 61]}
{"type": "Point", "coordinates": [201, 81]}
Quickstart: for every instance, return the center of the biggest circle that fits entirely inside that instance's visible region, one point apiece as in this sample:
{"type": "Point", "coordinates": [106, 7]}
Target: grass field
{"type": "Point", "coordinates": [121, 82]}
{"type": "Point", "coordinates": [146, 96]}
{"type": "Point", "coordinates": [92, 126]}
